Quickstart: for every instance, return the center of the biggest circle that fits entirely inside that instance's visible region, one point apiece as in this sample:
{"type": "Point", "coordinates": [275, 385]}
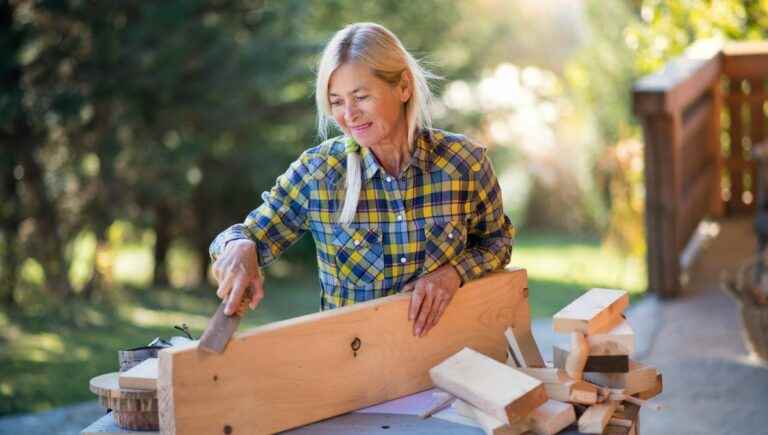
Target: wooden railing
{"type": "Point", "coordinates": [697, 155]}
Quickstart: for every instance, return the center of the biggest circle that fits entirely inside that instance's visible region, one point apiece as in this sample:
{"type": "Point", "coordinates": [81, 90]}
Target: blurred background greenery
{"type": "Point", "coordinates": [132, 132]}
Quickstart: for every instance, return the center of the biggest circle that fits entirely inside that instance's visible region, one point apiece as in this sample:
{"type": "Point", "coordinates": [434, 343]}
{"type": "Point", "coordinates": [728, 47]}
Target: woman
{"type": "Point", "coordinates": [393, 205]}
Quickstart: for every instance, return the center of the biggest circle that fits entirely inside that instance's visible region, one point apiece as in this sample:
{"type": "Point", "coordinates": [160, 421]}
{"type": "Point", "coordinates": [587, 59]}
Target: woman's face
{"type": "Point", "coordinates": [366, 107]}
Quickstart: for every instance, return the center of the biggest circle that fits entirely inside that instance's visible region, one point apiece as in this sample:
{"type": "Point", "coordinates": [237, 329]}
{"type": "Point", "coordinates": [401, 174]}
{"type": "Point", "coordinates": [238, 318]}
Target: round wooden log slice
{"type": "Point", "coordinates": [137, 420]}
{"type": "Point", "coordinates": [132, 409]}
{"type": "Point", "coordinates": [107, 385]}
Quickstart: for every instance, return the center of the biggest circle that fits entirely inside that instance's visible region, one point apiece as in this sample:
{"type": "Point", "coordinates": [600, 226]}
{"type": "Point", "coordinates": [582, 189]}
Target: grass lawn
{"type": "Point", "coordinates": [49, 351]}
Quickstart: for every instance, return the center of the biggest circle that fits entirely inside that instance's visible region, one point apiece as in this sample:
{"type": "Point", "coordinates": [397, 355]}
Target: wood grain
{"type": "Point", "coordinates": [297, 371]}
{"type": "Point", "coordinates": [142, 376]}
{"type": "Point", "coordinates": [493, 387]}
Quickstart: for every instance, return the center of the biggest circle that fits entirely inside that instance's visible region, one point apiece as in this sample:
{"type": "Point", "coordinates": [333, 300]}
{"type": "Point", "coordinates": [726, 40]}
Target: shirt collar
{"type": "Point", "coordinates": [420, 157]}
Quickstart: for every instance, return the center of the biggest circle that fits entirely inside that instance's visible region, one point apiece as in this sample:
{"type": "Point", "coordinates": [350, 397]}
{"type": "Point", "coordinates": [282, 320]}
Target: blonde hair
{"type": "Point", "coordinates": [372, 45]}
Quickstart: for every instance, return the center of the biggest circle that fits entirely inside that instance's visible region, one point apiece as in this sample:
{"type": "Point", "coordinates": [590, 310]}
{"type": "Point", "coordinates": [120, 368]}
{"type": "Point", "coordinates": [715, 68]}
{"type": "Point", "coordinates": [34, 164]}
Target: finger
{"type": "Point", "coordinates": [426, 308]}
{"type": "Point", "coordinates": [238, 289]}
{"type": "Point", "coordinates": [408, 287]}
{"type": "Point", "coordinates": [439, 310]}
{"type": "Point", "coordinates": [257, 285]}
{"type": "Point", "coordinates": [215, 270]}
{"type": "Point", "coordinates": [416, 299]}
{"type": "Point", "coordinates": [430, 321]}
{"type": "Point", "coordinates": [226, 284]}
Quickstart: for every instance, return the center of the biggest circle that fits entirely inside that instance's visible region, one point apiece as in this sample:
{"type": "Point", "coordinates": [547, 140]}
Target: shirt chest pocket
{"type": "Point", "coordinates": [359, 254]}
{"type": "Point", "coordinates": [444, 241]}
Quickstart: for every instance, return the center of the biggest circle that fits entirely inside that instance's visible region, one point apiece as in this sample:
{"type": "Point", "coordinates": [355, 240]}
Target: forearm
{"type": "Point", "coordinates": [488, 254]}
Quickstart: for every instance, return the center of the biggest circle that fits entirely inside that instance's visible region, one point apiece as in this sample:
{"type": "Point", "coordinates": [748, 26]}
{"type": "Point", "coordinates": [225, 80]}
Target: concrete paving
{"type": "Point", "coordinates": [712, 384]}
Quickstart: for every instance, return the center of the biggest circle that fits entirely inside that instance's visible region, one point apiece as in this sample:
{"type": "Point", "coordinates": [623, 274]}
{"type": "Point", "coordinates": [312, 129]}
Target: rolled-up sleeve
{"type": "Point", "coordinates": [279, 221]}
{"type": "Point", "coordinates": [490, 234]}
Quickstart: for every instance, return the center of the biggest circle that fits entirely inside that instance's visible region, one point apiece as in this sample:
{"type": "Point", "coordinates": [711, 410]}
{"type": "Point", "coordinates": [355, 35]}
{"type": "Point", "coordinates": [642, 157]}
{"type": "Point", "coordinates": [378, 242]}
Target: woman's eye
{"type": "Point", "coordinates": [335, 103]}
{"type": "Point", "coordinates": [361, 97]}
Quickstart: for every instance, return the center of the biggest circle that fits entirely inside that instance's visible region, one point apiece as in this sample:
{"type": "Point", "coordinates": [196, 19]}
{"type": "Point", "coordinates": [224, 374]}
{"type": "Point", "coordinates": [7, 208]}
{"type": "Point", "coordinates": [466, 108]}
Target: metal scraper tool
{"type": "Point", "coordinates": [221, 327]}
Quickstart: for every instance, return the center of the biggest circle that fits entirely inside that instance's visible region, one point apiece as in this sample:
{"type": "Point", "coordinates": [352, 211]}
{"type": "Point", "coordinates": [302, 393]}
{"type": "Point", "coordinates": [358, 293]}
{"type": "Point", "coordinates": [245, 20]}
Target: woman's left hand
{"type": "Point", "coordinates": [431, 295]}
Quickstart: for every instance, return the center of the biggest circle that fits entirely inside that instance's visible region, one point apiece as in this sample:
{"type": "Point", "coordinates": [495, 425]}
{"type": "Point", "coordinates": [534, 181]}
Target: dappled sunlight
{"type": "Point", "coordinates": [162, 318]}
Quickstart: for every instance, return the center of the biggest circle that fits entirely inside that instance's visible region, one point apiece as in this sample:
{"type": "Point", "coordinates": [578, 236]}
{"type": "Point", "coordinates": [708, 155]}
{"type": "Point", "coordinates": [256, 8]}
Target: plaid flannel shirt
{"type": "Point", "coordinates": [445, 207]}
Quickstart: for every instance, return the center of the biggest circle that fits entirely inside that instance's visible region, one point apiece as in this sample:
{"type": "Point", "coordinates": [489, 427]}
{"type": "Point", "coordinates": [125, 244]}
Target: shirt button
{"type": "Point", "coordinates": [356, 242]}
{"type": "Point", "coordinates": [403, 260]}
{"type": "Point", "coordinates": [450, 235]}
{"type": "Point", "coordinates": [389, 179]}
{"type": "Point", "coordinates": [400, 217]}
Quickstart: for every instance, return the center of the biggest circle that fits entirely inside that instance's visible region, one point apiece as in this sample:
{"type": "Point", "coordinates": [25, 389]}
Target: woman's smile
{"type": "Point", "coordinates": [361, 129]}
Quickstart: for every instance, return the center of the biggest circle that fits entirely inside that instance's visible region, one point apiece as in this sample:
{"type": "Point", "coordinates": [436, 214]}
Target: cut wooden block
{"type": "Point", "coordinates": [497, 389]}
{"type": "Point", "coordinates": [618, 341]}
{"type": "Point", "coordinates": [654, 391]}
{"type": "Point", "coordinates": [142, 376]}
{"type": "Point", "coordinates": [552, 417]}
{"type": "Point", "coordinates": [560, 386]}
{"type": "Point", "coordinates": [597, 310]}
{"type": "Point", "coordinates": [572, 391]}
{"type": "Point", "coordinates": [596, 417]}
{"type": "Point", "coordinates": [490, 425]}
{"type": "Point", "coordinates": [640, 377]}
{"type": "Point", "coordinates": [603, 364]}
{"type": "Point", "coordinates": [297, 371]}
{"type": "Point", "coordinates": [523, 346]}
{"type": "Point", "coordinates": [577, 359]}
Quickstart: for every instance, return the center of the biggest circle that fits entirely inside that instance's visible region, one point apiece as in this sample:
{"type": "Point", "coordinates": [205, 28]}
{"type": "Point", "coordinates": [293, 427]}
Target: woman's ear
{"type": "Point", "coordinates": [405, 86]}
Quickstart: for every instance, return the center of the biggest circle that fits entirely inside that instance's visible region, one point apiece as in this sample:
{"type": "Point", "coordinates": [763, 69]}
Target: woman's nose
{"type": "Point", "coordinates": [350, 112]}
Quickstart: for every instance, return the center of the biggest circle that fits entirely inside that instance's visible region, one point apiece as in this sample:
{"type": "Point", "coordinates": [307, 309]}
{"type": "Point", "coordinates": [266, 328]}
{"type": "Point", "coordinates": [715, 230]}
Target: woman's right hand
{"type": "Point", "coordinates": [236, 269]}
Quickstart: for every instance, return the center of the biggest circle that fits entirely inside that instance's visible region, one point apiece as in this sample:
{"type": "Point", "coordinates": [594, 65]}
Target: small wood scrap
{"type": "Point", "coordinates": [576, 361]}
{"type": "Point", "coordinates": [523, 347]}
{"type": "Point", "coordinates": [552, 417]}
{"type": "Point", "coordinates": [142, 376]}
{"type": "Point", "coordinates": [600, 363]}
{"type": "Point", "coordinates": [639, 378]}
{"type": "Point", "coordinates": [493, 387]}
{"type": "Point", "coordinates": [596, 417]}
{"type": "Point", "coordinates": [618, 341]}
{"type": "Point", "coordinates": [654, 391]}
{"type": "Point", "coordinates": [596, 311]}
{"type": "Point", "coordinates": [441, 403]}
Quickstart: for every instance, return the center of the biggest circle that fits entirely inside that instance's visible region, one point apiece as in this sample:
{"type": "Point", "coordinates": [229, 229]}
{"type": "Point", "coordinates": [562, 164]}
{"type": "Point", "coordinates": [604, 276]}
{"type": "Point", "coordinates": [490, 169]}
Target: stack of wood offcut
{"type": "Point", "coordinates": [592, 386]}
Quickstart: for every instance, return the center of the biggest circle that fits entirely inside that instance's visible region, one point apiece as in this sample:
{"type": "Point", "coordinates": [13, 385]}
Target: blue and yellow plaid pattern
{"type": "Point", "coordinates": [445, 207]}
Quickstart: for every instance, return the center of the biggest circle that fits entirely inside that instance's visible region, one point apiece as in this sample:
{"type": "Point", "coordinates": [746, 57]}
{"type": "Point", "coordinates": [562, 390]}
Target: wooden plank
{"type": "Point", "coordinates": [490, 424]}
{"type": "Point", "coordinates": [736, 151]}
{"type": "Point", "coordinates": [746, 59]}
{"type": "Point", "coordinates": [142, 376]}
{"type": "Point", "coordinates": [602, 363]}
{"type": "Point", "coordinates": [678, 84]}
{"type": "Point", "coordinates": [596, 417]}
{"type": "Point", "coordinates": [523, 346]}
{"type": "Point", "coordinates": [618, 341]}
{"type": "Point", "coordinates": [662, 135]}
{"type": "Point", "coordinates": [301, 370]}
{"type": "Point", "coordinates": [595, 311]}
{"type": "Point", "coordinates": [639, 378]}
{"type": "Point", "coordinates": [493, 387]}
